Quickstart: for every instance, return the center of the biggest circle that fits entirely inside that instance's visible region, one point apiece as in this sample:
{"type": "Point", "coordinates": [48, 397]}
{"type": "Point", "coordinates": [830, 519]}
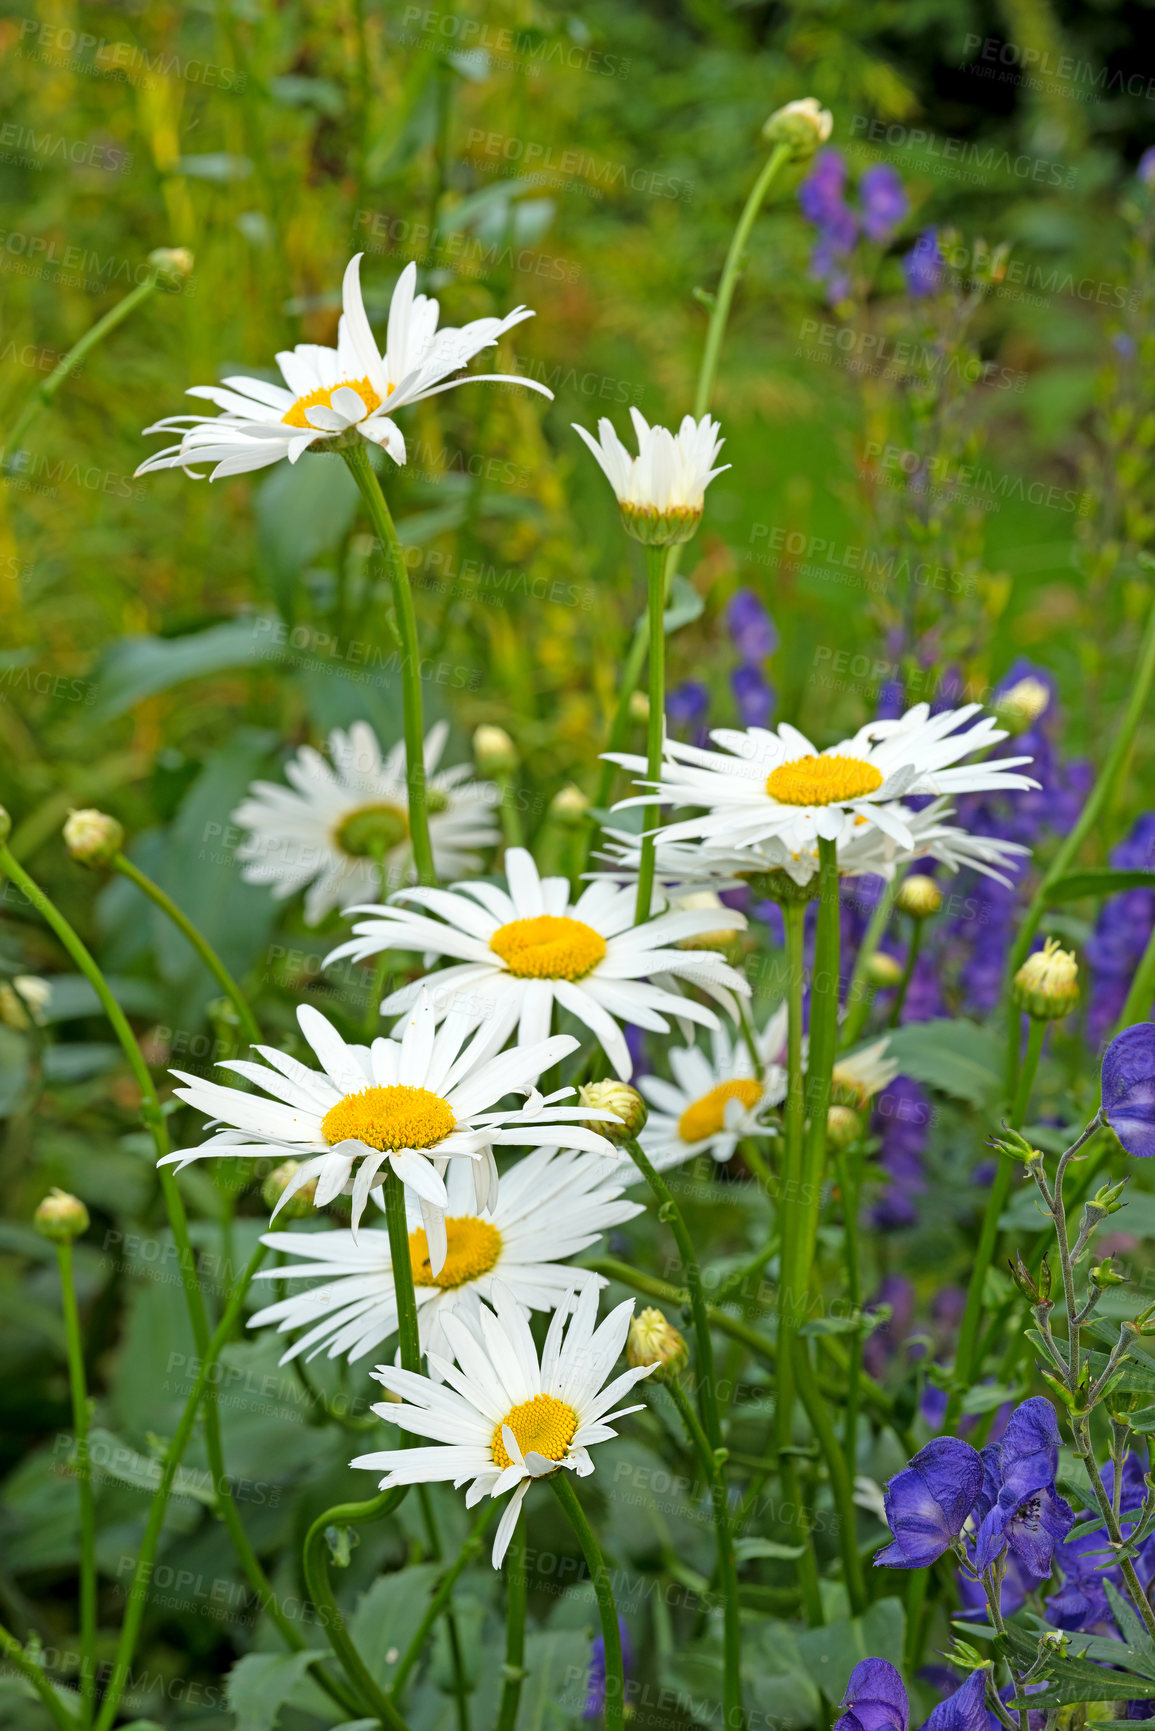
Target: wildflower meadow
{"type": "Point", "coordinates": [577, 866]}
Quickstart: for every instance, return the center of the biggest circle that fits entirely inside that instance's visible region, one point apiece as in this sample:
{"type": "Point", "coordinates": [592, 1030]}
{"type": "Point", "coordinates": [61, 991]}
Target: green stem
{"type": "Point", "coordinates": [789, 1213]}
{"type": "Point", "coordinates": [720, 313]}
{"type": "Point", "coordinates": [655, 725]}
{"type": "Point", "coordinates": [912, 950]}
{"type": "Point", "coordinates": [515, 1596]}
{"type": "Point", "coordinates": [841, 1481]}
{"type": "Point", "coordinates": [735, 1715]}
{"type": "Point", "coordinates": [357, 458]}
{"type": "Point", "coordinates": [79, 1391]}
{"type": "Point", "coordinates": [631, 673]}
{"type": "Point", "coordinates": [858, 996]}
{"type": "Point", "coordinates": [41, 398]}
{"type": "Point", "coordinates": [820, 1057]}
{"type": "Point", "coordinates": [408, 1335]}
{"type": "Point", "coordinates": [511, 830]}
{"type": "Point", "coordinates": [138, 1591]}
{"type": "Point", "coordinates": [198, 941]}
{"type": "Point", "coordinates": [320, 1590]}
{"type": "Point", "coordinates": [996, 1202]}
{"type": "Point", "coordinates": [437, 1552]}
{"type": "Point", "coordinates": [16, 1656]}
{"type": "Point", "coordinates": [467, 1554]}
{"type": "Point", "coordinates": [607, 1610]}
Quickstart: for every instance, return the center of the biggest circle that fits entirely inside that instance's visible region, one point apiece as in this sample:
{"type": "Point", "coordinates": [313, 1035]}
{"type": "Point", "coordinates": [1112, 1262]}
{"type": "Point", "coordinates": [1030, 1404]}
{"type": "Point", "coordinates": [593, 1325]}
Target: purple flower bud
{"type": "Point", "coordinates": [923, 266]}
{"type": "Point", "coordinates": [755, 699]}
{"type": "Point", "coordinates": [928, 1502]}
{"type": "Point", "coordinates": [686, 705]}
{"type": "Point", "coordinates": [875, 1699]}
{"type": "Point", "coordinates": [884, 202]}
{"type": "Point", "coordinates": [752, 631]}
{"type": "Point", "coordinates": [1129, 1088]}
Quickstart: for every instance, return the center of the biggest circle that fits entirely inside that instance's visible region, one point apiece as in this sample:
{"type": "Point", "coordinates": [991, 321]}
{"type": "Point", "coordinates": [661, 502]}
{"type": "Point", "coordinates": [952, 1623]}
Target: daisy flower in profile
{"type": "Point", "coordinates": [343, 825]}
{"type": "Point", "coordinates": [501, 1417]}
{"type": "Point", "coordinates": [550, 1206]}
{"type": "Point", "coordinates": [519, 951]}
{"type": "Point", "coordinates": [662, 490]}
{"type": "Point", "coordinates": [415, 1103]}
{"type": "Point", "coordinates": [766, 785]}
{"type": "Point", "coordinates": [334, 393]}
{"type": "Point", "coordinates": [862, 1074]}
{"type": "Point", "coordinates": [714, 1100]}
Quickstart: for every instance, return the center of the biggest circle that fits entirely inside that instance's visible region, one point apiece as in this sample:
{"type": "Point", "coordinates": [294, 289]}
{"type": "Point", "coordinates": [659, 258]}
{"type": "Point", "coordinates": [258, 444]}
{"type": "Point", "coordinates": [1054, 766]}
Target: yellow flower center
{"type": "Point", "coordinates": [389, 1118]}
{"type": "Point", "coordinates": [544, 1425]}
{"type": "Point", "coordinates": [707, 1116]}
{"type": "Point", "coordinates": [822, 780]}
{"type": "Point", "coordinates": [548, 948]}
{"type": "Point", "coordinates": [474, 1247]}
{"type": "Point", "coordinates": [322, 398]}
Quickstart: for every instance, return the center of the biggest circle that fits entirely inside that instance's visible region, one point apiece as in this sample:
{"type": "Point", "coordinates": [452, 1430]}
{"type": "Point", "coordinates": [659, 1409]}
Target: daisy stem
{"type": "Point", "coordinates": [408, 1336]}
{"type": "Point", "coordinates": [859, 995]}
{"type": "Point", "coordinates": [603, 1589]}
{"type": "Point", "coordinates": [848, 1184]}
{"type": "Point", "coordinates": [513, 1671]}
{"type": "Point", "coordinates": [720, 313]}
{"type": "Point", "coordinates": [357, 458]}
{"type": "Point", "coordinates": [631, 673]}
{"type": "Point", "coordinates": [996, 1201]}
{"type": "Point", "coordinates": [320, 1590]}
{"type": "Point", "coordinates": [656, 724]}
{"type": "Point", "coordinates": [60, 1712]}
{"type": "Point", "coordinates": [79, 1391]}
{"type": "Point", "coordinates": [437, 1552]}
{"type": "Point", "coordinates": [198, 941]}
{"type": "Point", "coordinates": [907, 973]}
{"type": "Point", "coordinates": [839, 1475]}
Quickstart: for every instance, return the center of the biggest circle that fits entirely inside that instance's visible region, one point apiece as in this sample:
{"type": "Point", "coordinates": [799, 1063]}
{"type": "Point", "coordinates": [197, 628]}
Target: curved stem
{"type": "Point", "coordinates": [720, 312]}
{"type": "Point", "coordinates": [655, 725]}
{"type": "Point", "coordinates": [408, 1335]}
{"type": "Point", "coordinates": [79, 1391]}
{"type": "Point", "coordinates": [16, 1656]}
{"type": "Point", "coordinates": [515, 1597]}
{"type": "Point", "coordinates": [607, 1610]}
{"type": "Point", "coordinates": [357, 458]}
{"type": "Point", "coordinates": [320, 1590]}
{"type": "Point", "coordinates": [735, 1715]}
{"type": "Point", "coordinates": [198, 941]}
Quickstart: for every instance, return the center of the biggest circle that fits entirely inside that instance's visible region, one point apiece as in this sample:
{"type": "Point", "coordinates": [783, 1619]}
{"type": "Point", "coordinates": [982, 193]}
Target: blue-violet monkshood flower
{"type": "Point", "coordinates": [1018, 1508]}
{"type": "Point", "coordinates": [1129, 1088]}
{"type": "Point", "coordinates": [928, 1502]}
{"type": "Point", "coordinates": [876, 1700]}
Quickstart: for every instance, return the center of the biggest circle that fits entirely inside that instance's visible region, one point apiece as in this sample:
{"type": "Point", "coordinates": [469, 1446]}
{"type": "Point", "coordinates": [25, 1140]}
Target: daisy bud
{"type": "Point", "coordinates": [5, 825]}
{"type": "Point", "coordinates": [569, 806]}
{"type": "Point", "coordinates": [660, 492]}
{"type": "Point", "coordinates": [1047, 984]}
{"type": "Point", "coordinates": [23, 1002]}
{"type": "Point", "coordinates": [92, 837]}
{"type": "Point", "coordinates": [277, 1182]}
{"type": "Point", "coordinates": [883, 970]}
{"type": "Point", "coordinates": [919, 896]}
{"type": "Point", "coordinates": [1021, 706]}
{"type": "Point", "coordinates": [173, 264]}
{"type": "Point", "coordinates": [843, 1127]}
{"type": "Point", "coordinates": [60, 1217]}
{"type": "Point", "coordinates": [639, 706]}
{"type": "Point", "coordinates": [493, 750]}
{"type": "Point", "coordinates": [654, 1340]}
{"type": "Point", "coordinates": [803, 124]}
{"type": "Point", "coordinates": [778, 886]}
{"type": "Point", "coordinates": [620, 1099]}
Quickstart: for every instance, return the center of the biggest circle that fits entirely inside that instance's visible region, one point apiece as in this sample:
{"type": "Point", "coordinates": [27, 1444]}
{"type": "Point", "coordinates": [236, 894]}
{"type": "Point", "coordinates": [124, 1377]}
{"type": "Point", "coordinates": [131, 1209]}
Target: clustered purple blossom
{"type": "Point", "coordinates": [876, 1700]}
{"type": "Point", "coordinates": [1122, 931]}
{"type": "Point", "coordinates": [882, 208]}
{"type": "Point", "coordinates": [902, 1115]}
{"type": "Point", "coordinates": [923, 266]}
{"type": "Point", "coordinates": [755, 637]}
{"type": "Point", "coordinates": [686, 707]}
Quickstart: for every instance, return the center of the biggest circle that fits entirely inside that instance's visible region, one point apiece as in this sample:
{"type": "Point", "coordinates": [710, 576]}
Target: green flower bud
{"type": "Point", "coordinates": [493, 750]}
{"type": "Point", "coordinates": [919, 896]}
{"type": "Point", "coordinates": [803, 124]}
{"type": "Point", "coordinates": [623, 1101]}
{"type": "Point", "coordinates": [1047, 984]}
{"type": "Point", "coordinates": [92, 837]}
{"type": "Point", "coordinates": [654, 1340]}
{"type": "Point", "coordinates": [300, 1202]}
{"type": "Point", "coordinates": [173, 264]}
{"type": "Point", "coordinates": [569, 806]}
{"type": "Point", "coordinates": [60, 1217]}
{"type": "Point", "coordinates": [883, 970]}
{"type": "Point", "coordinates": [843, 1127]}
{"type": "Point", "coordinates": [654, 528]}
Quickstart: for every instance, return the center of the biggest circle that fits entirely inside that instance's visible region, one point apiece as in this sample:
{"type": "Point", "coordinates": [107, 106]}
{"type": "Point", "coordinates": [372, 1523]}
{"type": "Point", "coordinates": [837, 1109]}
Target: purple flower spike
{"type": "Point", "coordinates": [751, 628]}
{"type": "Point", "coordinates": [927, 1503]}
{"type": "Point", "coordinates": [923, 266]}
{"type": "Point", "coordinates": [1020, 1509]}
{"type": "Point", "coordinates": [965, 1710]}
{"type": "Point", "coordinates": [754, 698]}
{"type": "Point", "coordinates": [883, 200]}
{"type": "Point", "coordinates": [1129, 1088]}
{"type": "Point", "coordinates": [875, 1699]}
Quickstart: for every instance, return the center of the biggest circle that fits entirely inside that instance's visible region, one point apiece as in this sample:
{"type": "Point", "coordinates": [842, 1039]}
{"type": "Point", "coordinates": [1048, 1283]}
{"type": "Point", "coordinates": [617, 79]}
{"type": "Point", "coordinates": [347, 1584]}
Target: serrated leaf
{"type": "Point", "coordinates": [258, 1685]}
{"type": "Point", "coordinates": [956, 1056]}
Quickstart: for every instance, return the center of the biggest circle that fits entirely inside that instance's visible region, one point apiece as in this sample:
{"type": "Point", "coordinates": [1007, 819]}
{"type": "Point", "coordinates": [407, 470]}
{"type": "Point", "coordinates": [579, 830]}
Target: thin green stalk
{"type": "Point", "coordinates": [42, 396]}
{"type": "Point", "coordinates": [603, 1590]}
{"type": "Point", "coordinates": [511, 830]}
{"type": "Point", "coordinates": [408, 1335]}
{"type": "Point", "coordinates": [631, 673]}
{"type": "Point", "coordinates": [456, 1658]}
{"type": "Point", "coordinates": [198, 941]}
{"type": "Point", "coordinates": [79, 1391]}
{"type": "Point", "coordinates": [513, 1671]}
{"type": "Point", "coordinates": [912, 950]}
{"type": "Point", "coordinates": [467, 1554]}
{"type": "Point", "coordinates": [789, 1210]}
{"type": "Point", "coordinates": [720, 313]}
{"type": "Point", "coordinates": [820, 1058]}
{"type": "Point", "coordinates": [365, 476]}
{"type": "Point", "coordinates": [858, 997]}
{"type": "Point", "coordinates": [16, 1656]}
{"type": "Point", "coordinates": [655, 725]}
{"type": "Point", "coordinates": [840, 1477]}
{"type": "Point", "coordinates": [316, 1572]}
{"type": "Point", "coordinates": [996, 1202]}
{"type": "Point", "coordinates": [138, 1591]}
{"type": "Point", "coordinates": [735, 1715]}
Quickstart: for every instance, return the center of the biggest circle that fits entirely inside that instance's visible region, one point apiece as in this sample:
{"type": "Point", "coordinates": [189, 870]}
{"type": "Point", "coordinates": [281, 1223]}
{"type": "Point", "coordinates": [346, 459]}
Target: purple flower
{"type": "Point", "coordinates": [883, 200]}
{"type": "Point", "coordinates": [1081, 1603]}
{"type": "Point", "coordinates": [754, 698]}
{"type": "Point", "coordinates": [686, 707]}
{"type": "Point", "coordinates": [1146, 169]}
{"type": "Point", "coordinates": [752, 631]}
{"type": "Point", "coordinates": [875, 1699]}
{"type": "Point", "coordinates": [596, 1687]}
{"type": "Point", "coordinates": [1129, 1088]}
{"type": "Point", "coordinates": [1019, 1508]}
{"type": "Point", "coordinates": [928, 1502]}
{"type": "Point", "coordinates": [965, 1710]}
{"type": "Point", "coordinates": [923, 266]}
{"type": "Point", "coordinates": [821, 193]}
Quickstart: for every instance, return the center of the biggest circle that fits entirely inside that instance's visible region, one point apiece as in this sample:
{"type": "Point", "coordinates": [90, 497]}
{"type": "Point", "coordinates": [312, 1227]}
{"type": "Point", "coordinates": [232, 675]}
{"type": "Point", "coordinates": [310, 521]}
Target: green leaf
{"type": "Point", "coordinates": [258, 1685]}
{"type": "Point", "coordinates": [1098, 881]}
{"type": "Point", "coordinates": [139, 667]}
{"type": "Point", "coordinates": [302, 511]}
{"type": "Point", "coordinates": [683, 606]}
{"type": "Point", "coordinates": [1133, 1628]}
{"type": "Point", "coordinates": [746, 1550]}
{"type": "Point", "coordinates": [957, 1057]}
{"type": "Point", "coordinates": [832, 1652]}
{"type": "Point", "coordinates": [388, 1615]}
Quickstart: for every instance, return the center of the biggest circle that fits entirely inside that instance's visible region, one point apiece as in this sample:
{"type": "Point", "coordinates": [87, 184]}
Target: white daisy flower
{"type": "Point", "coordinates": [501, 1417]}
{"type": "Point", "coordinates": [330, 392]}
{"type": "Point", "coordinates": [662, 490]}
{"type": "Point", "coordinates": [860, 1075]}
{"type": "Point", "coordinates": [342, 825]}
{"type": "Point", "coordinates": [714, 1100]}
{"type": "Point", "coordinates": [549, 1206]}
{"type": "Point", "coordinates": [521, 951]}
{"type": "Point", "coordinates": [414, 1102]}
{"type": "Point", "coordinates": [764, 785]}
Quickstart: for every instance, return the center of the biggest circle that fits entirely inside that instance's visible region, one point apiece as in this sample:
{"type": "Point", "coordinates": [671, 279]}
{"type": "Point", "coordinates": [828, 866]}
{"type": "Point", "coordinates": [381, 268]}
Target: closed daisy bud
{"type": "Point", "coordinates": [654, 1340]}
{"type": "Point", "coordinates": [300, 1203]}
{"type": "Point", "coordinates": [660, 492]}
{"type": "Point", "coordinates": [620, 1099]}
{"type": "Point", "coordinates": [92, 837]}
{"type": "Point", "coordinates": [569, 806]}
{"type": "Point", "coordinates": [843, 1127]}
{"type": "Point", "coordinates": [172, 264]}
{"type": "Point", "coordinates": [639, 706]}
{"type": "Point", "coordinates": [883, 970]}
{"type": "Point", "coordinates": [1021, 706]}
{"type": "Point", "coordinates": [493, 750]}
{"type": "Point", "coordinates": [919, 896]}
{"type": "Point", "coordinates": [60, 1217]}
{"type": "Point", "coordinates": [1047, 984]}
{"type": "Point", "coordinates": [803, 124]}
